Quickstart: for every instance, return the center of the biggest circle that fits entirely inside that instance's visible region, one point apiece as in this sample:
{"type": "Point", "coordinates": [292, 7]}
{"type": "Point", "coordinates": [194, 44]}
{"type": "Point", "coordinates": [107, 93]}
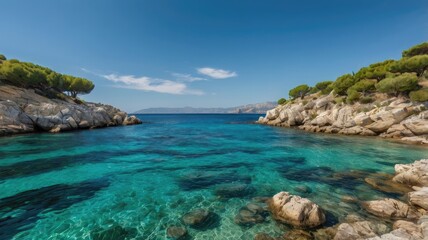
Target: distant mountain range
{"type": "Point", "coordinates": [250, 108]}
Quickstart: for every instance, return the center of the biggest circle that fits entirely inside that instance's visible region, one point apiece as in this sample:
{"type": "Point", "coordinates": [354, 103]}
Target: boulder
{"type": "Point", "coordinates": [380, 126]}
{"type": "Point", "coordinates": [296, 211]}
{"type": "Point", "coordinates": [415, 174]}
{"type": "Point", "coordinates": [175, 232]}
{"type": "Point", "coordinates": [263, 236]}
{"type": "Point", "coordinates": [359, 230]}
{"type": "Point", "coordinates": [418, 126]}
{"type": "Point", "coordinates": [196, 218]}
{"type": "Point", "coordinates": [390, 208]}
{"type": "Point", "coordinates": [250, 215]}
{"type": "Point", "coordinates": [419, 198]}
{"type": "Point", "coordinates": [410, 227]}
{"type": "Point", "coordinates": [272, 114]}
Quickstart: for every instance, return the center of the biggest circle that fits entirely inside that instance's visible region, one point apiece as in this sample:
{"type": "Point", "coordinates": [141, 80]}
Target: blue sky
{"type": "Point", "coordinates": [197, 53]}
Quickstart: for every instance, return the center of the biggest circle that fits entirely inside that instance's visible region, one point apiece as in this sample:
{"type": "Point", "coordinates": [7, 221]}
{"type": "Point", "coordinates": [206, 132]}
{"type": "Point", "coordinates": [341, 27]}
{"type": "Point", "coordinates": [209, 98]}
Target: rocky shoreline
{"type": "Point", "coordinates": [397, 118]}
{"type": "Point", "coordinates": [27, 110]}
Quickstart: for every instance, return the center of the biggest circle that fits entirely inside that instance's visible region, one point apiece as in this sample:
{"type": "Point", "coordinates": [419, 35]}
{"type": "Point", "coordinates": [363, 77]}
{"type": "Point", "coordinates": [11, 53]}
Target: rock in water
{"type": "Point", "coordinates": [201, 219]}
{"type": "Point", "coordinates": [415, 174]}
{"type": "Point", "coordinates": [296, 211]}
{"type": "Point", "coordinates": [263, 236]}
{"type": "Point", "coordinates": [419, 198]}
{"type": "Point", "coordinates": [359, 230]}
{"type": "Point", "coordinates": [390, 208]}
{"type": "Point", "coordinates": [250, 215]}
{"type": "Point", "coordinates": [175, 232]}
{"type": "Point", "coordinates": [297, 234]}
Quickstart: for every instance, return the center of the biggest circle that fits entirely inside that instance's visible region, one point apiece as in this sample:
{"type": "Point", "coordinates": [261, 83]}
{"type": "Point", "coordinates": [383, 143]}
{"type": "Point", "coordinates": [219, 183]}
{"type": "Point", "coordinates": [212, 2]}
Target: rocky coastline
{"type": "Point", "coordinates": [30, 110]}
{"type": "Point", "coordinates": [397, 118]}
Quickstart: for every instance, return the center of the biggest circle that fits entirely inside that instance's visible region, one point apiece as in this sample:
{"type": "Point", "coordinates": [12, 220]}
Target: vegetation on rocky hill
{"type": "Point", "coordinates": [29, 75]}
{"type": "Point", "coordinates": [405, 77]}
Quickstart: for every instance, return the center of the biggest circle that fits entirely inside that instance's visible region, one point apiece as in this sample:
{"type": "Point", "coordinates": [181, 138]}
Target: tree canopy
{"type": "Point", "coordinates": [299, 91]}
{"type": "Point", "coordinates": [363, 86]}
{"type": "Point", "coordinates": [417, 64]}
{"type": "Point", "coordinates": [29, 75]}
{"type": "Point", "coordinates": [342, 83]}
{"type": "Point", "coordinates": [403, 83]}
{"type": "Point", "coordinates": [420, 49]}
{"type": "Point", "coordinates": [376, 71]}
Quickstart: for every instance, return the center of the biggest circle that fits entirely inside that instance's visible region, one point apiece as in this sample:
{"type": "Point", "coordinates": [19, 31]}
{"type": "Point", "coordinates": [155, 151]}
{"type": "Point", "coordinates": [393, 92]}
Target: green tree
{"type": "Point", "coordinates": [323, 85]}
{"type": "Point", "coordinates": [299, 91]}
{"type": "Point", "coordinates": [363, 86]}
{"type": "Point", "coordinates": [2, 57]}
{"type": "Point", "coordinates": [420, 49]}
{"type": "Point", "coordinates": [403, 83]}
{"type": "Point", "coordinates": [419, 95]}
{"type": "Point", "coordinates": [376, 71]}
{"type": "Point", "coordinates": [75, 85]}
{"type": "Point", "coordinates": [417, 64]}
{"type": "Point", "coordinates": [282, 101]}
{"type": "Point", "coordinates": [342, 83]}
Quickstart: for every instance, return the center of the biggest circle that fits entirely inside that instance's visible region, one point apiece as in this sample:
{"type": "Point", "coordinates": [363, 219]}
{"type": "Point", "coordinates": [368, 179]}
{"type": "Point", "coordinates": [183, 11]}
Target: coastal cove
{"type": "Point", "coordinates": [136, 182]}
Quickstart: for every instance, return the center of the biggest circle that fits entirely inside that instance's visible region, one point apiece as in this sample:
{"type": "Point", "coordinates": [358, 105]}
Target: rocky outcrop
{"type": "Point", "coordinates": [359, 230]}
{"type": "Point", "coordinates": [390, 208]}
{"type": "Point", "coordinates": [415, 174]}
{"type": "Point", "coordinates": [25, 111]}
{"type": "Point", "coordinates": [393, 118]}
{"type": "Point", "coordinates": [296, 211]}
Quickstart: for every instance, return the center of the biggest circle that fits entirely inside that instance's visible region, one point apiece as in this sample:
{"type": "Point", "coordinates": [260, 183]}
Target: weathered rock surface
{"type": "Point", "coordinates": [359, 230]}
{"type": "Point", "coordinates": [250, 215]}
{"type": "Point", "coordinates": [25, 111]}
{"type": "Point", "coordinates": [296, 211]}
{"type": "Point", "coordinates": [395, 118]}
{"type": "Point", "coordinates": [419, 198]}
{"type": "Point", "coordinates": [415, 174]}
{"type": "Point", "coordinates": [390, 208]}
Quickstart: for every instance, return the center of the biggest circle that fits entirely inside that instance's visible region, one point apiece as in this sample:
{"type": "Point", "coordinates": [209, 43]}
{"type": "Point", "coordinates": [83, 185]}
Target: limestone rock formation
{"type": "Point", "coordinates": [393, 118]}
{"type": "Point", "coordinates": [24, 111]}
{"type": "Point", "coordinates": [296, 211]}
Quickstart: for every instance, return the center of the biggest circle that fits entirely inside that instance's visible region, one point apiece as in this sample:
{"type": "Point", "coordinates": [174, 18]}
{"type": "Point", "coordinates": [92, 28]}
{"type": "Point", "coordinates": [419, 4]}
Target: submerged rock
{"type": "Point", "coordinates": [201, 219]}
{"type": "Point", "coordinates": [176, 232]}
{"type": "Point", "coordinates": [297, 234]}
{"type": "Point", "coordinates": [296, 211]}
{"type": "Point", "coordinates": [250, 215]}
{"type": "Point", "coordinates": [385, 184]}
{"type": "Point", "coordinates": [114, 233]}
{"type": "Point", "coordinates": [263, 236]}
{"type": "Point", "coordinates": [390, 208]}
{"type": "Point", "coordinates": [234, 190]}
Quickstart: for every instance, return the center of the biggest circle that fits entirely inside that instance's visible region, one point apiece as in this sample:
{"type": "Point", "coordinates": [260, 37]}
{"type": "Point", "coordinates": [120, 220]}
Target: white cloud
{"type": "Point", "coordinates": [151, 84]}
{"type": "Point", "coordinates": [186, 77]}
{"type": "Point", "coordinates": [216, 73]}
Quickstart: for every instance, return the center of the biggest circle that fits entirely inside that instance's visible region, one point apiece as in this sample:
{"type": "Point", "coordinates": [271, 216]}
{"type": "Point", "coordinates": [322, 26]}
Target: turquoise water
{"type": "Point", "coordinates": [133, 182]}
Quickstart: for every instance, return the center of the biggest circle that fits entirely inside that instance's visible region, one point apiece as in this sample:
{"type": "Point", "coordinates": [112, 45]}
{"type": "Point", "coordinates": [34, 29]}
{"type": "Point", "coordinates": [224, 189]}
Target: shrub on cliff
{"type": "Point", "coordinates": [403, 83]}
{"type": "Point", "coordinates": [299, 91]}
{"type": "Point", "coordinates": [282, 101]}
{"type": "Point", "coordinates": [342, 83]}
{"type": "Point", "coordinates": [376, 71]}
{"type": "Point", "coordinates": [363, 86]}
{"type": "Point", "coordinates": [417, 64]}
{"type": "Point", "coordinates": [2, 57]}
{"type": "Point", "coordinates": [419, 95]}
{"type": "Point", "coordinates": [29, 75]}
{"type": "Point", "coordinates": [325, 87]}
{"type": "Point", "coordinates": [420, 49]}
{"type": "Point", "coordinates": [353, 96]}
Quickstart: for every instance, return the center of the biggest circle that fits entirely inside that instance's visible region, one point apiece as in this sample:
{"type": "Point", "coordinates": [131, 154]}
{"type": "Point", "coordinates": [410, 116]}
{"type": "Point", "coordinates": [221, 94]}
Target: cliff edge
{"type": "Point", "coordinates": [397, 118]}
{"type": "Point", "coordinates": [26, 110]}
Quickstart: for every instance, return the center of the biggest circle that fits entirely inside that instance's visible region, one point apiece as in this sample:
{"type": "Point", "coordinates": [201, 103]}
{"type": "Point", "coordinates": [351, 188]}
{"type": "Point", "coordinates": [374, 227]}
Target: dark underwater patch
{"type": "Point", "coordinates": [30, 204]}
{"type": "Point", "coordinates": [200, 179]}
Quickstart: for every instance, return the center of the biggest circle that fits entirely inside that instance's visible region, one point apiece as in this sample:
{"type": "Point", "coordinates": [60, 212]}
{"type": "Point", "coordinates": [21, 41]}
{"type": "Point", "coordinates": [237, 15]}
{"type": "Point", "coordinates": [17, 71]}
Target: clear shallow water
{"type": "Point", "coordinates": [136, 181]}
